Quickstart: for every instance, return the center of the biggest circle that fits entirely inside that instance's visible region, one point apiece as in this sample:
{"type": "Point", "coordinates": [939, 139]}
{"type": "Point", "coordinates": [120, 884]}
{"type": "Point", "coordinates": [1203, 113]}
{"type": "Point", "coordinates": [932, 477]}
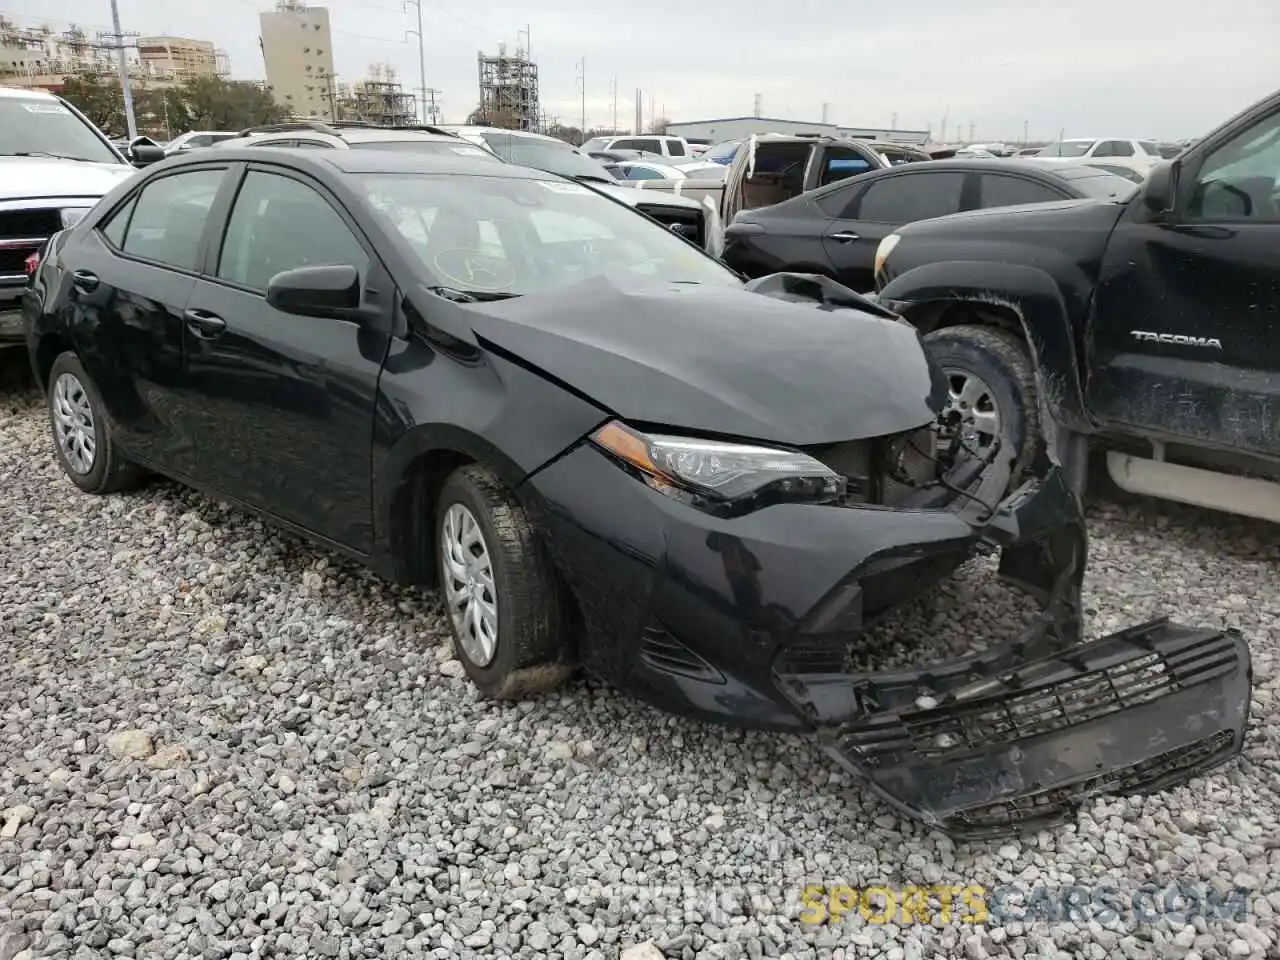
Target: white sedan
{"type": "Point", "coordinates": [632, 170]}
{"type": "Point", "coordinates": [1139, 155]}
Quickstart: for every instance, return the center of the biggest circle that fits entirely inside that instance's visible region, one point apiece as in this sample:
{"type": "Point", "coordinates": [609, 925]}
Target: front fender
{"type": "Point", "coordinates": [1033, 297]}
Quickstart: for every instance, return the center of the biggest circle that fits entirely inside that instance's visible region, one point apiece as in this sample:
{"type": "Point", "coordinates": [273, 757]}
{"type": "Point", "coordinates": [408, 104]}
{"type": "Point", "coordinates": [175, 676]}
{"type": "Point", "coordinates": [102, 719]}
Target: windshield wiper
{"type": "Point", "coordinates": [51, 156]}
{"type": "Point", "coordinates": [470, 296]}
{"type": "Point", "coordinates": [590, 177]}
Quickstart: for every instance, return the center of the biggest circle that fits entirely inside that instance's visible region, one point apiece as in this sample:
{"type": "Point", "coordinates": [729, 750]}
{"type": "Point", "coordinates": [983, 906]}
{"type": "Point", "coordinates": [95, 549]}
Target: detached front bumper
{"type": "Point", "coordinates": [749, 620]}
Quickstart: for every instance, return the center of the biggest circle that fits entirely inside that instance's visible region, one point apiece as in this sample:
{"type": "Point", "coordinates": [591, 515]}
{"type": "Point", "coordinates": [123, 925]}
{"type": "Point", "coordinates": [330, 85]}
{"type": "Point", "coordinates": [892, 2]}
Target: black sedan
{"type": "Point", "coordinates": [835, 230]}
{"type": "Point", "coordinates": [597, 443]}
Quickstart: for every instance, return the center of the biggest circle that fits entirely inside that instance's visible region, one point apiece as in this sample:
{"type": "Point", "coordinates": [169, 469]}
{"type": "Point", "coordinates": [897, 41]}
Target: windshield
{"type": "Point", "coordinates": [548, 155]}
{"type": "Point", "coordinates": [503, 236]}
{"type": "Point", "coordinates": [1067, 148]}
{"type": "Point", "coordinates": [47, 128]}
{"type": "Point", "coordinates": [458, 148]}
{"type": "Point", "coordinates": [595, 143]}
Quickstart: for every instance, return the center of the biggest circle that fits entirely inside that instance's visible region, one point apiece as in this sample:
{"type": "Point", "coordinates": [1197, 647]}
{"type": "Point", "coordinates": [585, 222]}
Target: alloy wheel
{"type": "Point", "coordinates": [470, 592]}
{"type": "Point", "coordinates": [73, 423]}
{"type": "Point", "coordinates": [971, 409]}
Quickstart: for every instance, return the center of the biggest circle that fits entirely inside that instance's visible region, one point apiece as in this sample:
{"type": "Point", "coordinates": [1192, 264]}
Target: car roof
{"type": "Point", "coordinates": [480, 128]}
{"type": "Point", "coordinates": [389, 134]}
{"type": "Point", "coordinates": [22, 93]}
{"type": "Point", "coordinates": [363, 161]}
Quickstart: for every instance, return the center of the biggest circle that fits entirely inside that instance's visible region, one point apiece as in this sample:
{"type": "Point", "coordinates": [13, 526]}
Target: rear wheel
{"type": "Point", "coordinates": [992, 389]}
{"type": "Point", "coordinates": [505, 603]}
{"type": "Point", "coordinates": [86, 449]}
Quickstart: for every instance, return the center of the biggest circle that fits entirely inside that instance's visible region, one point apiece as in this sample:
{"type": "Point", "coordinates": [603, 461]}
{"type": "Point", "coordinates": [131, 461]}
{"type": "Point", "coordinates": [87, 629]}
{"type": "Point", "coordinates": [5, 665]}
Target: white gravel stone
{"type": "Point", "coordinates": [165, 627]}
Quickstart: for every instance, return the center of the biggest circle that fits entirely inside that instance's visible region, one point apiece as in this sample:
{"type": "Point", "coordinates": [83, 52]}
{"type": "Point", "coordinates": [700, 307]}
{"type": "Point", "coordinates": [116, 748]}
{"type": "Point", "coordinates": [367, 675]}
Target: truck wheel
{"type": "Point", "coordinates": [993, 388]}
{"type": "Point", "coordinates": [87, 452]}
{"type": "Point", "coordinates": [503, 597]}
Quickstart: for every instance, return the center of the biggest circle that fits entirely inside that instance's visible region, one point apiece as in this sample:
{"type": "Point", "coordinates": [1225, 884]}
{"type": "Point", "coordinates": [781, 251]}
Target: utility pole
{"type": "Point", "coordinates": [117, 40]}
{"type": "Point", "coordinates": [1026, 136]}
{"type": "Point", "coordinates": [639, 129]}
{"type": "Point", "coordinates": [582, 86]}
{"type": "Point", "coordinates": [825, 108]}
{"type": "Point", "coordinates": [433, 105]}
{"type": "Point", "coordinates": [756, 108]}
{"type": "Point", "coordinates": [422, 60]}
{"type": "Point", "coordinates": [613, 93]}
{"type": "Point", "coordinates": [971, 133]}
{"type": "Point", "coordinates": [893, 124]}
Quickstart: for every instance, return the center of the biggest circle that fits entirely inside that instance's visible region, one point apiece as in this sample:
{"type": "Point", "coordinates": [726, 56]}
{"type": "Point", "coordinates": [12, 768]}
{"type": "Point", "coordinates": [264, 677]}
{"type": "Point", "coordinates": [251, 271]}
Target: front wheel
{"type": "Point", "coordinates": [505, 603]}
{"type": "Point", "coordinates": [992, 390]}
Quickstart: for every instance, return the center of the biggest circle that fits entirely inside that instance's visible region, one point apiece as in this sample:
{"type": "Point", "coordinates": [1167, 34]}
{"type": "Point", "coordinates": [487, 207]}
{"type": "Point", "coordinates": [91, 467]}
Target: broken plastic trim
{"type": "Point", "coordinates": [1017, 737]}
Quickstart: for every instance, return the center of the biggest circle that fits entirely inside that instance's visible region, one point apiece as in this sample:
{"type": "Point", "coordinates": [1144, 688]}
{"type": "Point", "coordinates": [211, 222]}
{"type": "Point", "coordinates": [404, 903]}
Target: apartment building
{"type": "Point", "coordinates": [297, 47]}
{"type": "Point", "coordinates": [179, 58]}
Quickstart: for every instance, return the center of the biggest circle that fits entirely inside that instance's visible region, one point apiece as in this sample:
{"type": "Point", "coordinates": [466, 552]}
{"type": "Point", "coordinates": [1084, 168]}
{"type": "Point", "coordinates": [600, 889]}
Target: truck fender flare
{"type": "Point", "coordinates": [1032, 296]}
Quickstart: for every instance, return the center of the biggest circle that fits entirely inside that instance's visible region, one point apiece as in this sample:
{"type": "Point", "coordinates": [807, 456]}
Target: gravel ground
{"type": "Point", "coordinates": [219, 741]}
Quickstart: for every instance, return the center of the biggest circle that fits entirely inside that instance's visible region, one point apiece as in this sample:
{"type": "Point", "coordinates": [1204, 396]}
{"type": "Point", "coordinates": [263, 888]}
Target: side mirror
{"type": "Point", "coordinates": [1159, 189]}
{"type": "Point", "coordinates": [329, 292]}
{"type": "Point", "coordinates": [143, 152]}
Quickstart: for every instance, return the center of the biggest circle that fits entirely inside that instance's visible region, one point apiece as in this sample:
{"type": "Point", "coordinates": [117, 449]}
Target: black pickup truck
{"type": "Point", "coordinates": [1153, 324]}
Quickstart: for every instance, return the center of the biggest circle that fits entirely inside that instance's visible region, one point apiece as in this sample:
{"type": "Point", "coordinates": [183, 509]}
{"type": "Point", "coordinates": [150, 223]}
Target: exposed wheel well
{"type": "Point", "coordinates": [956, 312]}
{"type": "Point", "coordinates": [413, 513]}
{"type": "Point", "coordinates": [47, 351]}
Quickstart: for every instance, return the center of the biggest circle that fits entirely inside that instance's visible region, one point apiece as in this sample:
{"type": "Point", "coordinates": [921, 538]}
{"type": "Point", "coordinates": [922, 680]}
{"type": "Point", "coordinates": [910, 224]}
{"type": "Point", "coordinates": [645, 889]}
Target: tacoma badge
{"type": "Point", "coordinates": [1178, 339]}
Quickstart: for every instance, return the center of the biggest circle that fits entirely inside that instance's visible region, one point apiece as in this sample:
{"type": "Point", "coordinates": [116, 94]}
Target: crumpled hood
{"type": "Point", "coordinates": [23, 178]}
{"type": "Point", "coordinates": [719, 360]}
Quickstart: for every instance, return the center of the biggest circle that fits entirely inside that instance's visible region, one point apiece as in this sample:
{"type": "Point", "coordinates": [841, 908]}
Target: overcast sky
{"type": "Point", "coordinates": [1159, 68]}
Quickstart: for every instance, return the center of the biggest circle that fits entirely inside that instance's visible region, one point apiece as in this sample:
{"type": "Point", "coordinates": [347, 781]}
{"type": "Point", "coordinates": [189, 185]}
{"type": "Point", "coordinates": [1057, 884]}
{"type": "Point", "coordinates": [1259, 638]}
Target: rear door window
{"type": "Point", "coordinates": [169, 217]}
{"type": "Point", "coordinates": [910, 197]}
{"type": "Point", "coordinates": [999, 190]}
{"type": "Point", "coordinates": [675, 148]}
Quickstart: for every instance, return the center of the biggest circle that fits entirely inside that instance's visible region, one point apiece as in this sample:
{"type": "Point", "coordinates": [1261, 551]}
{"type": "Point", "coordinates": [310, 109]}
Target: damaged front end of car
{"type": "Point", "coordinates": [1016, 737]}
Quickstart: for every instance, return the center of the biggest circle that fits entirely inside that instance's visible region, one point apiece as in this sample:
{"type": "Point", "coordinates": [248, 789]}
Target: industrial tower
{"type": "Point", "coordinates": [509, 90]}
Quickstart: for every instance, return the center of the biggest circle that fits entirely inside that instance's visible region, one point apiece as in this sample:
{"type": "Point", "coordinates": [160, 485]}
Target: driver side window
{"type": "Point", "coordinates": [1240, 180]}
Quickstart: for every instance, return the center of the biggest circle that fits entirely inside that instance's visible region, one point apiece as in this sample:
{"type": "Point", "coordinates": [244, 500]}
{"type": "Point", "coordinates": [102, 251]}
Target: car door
{"type": "Point", "coordinates": [1184, 339]}
{"type": "Point", "coordinates": [288, 400]}
{"type": "Point", "coordinates": [132, 277]}
{"type": "Point", "coordinates": [886, 203]}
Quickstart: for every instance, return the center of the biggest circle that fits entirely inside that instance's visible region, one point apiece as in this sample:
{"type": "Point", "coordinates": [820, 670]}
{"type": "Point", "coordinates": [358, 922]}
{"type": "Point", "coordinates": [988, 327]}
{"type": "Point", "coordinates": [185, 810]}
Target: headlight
{"type": "Point", "coordinates": [883, 251]}
{"type": "Point", "coordinates": [73, 215]}
{"type": "Point", "coordinates": [713, 473]}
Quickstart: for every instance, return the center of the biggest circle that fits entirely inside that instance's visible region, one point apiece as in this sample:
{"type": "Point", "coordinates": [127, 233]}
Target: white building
{"type": "Point", "coordinates": [735, 128]}
{"type": "Point", "coordinates": [297, 47]}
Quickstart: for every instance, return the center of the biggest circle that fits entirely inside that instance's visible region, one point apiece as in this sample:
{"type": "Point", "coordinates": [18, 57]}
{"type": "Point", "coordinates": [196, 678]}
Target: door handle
{"type": "Point", "coordinates": [84, 281]}
{"type": "Point", "coordinates": [844, 236]}
{"type": "Point", "coordinates": [204, 324]}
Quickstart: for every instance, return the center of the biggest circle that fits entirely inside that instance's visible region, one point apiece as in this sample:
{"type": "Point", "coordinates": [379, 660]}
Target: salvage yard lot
{"type": "Point", "coordinates": [317, 776]}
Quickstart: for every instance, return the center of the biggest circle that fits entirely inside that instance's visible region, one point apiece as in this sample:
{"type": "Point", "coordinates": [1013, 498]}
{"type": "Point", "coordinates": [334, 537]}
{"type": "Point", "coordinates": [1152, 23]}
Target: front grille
{"type": "Point", "coordinates": [1085, 698]}
{"type": "Point", "coordinates": [21, 234]}
{"type": "Point", "coordinates": [670, 215]}
{"type": "Point", "coordinates": [1049, 806]}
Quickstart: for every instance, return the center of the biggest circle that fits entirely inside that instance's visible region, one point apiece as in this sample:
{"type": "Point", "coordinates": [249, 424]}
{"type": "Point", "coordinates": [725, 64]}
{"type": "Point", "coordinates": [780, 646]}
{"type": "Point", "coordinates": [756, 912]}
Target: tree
{"type": "Point", "coordinates": [101, 101]}
{"type": "Point", "coordinates": [204, 103]}
{"type": "Point", "coordinates": [658, 125]}
{"type": "Point", "coordinates": [217, 104]}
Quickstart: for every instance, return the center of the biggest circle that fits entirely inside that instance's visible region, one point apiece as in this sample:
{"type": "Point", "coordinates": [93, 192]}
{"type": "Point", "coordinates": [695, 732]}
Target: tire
{"type": "Point", "coordinates": [530, 652]}
{"type": "Point", "coordinates": [77, 415]}
{"type": "Point", "coordinates": [998, 361]}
